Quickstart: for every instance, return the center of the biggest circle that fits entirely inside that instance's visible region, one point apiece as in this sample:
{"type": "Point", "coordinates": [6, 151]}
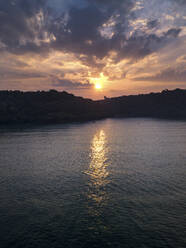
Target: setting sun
{"type": "Point", "coordinates": [98, 86]}
{"type": "Point", "coordinates": [99, 82]}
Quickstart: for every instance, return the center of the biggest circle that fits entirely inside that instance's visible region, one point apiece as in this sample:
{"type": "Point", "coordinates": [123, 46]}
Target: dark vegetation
{"type": "Point", "coordinates": [59, 107]}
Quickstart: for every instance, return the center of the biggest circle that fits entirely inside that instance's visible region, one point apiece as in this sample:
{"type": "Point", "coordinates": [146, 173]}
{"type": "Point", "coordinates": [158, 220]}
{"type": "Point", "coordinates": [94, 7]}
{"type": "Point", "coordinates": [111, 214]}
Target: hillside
{"type": "Point", "coordinates": [59, 107]}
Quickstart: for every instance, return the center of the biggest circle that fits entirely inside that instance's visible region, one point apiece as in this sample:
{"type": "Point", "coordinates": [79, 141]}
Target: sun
{"type": "Point", "coordinates": [98, 86]}
{"type": "Point", "coordinates": [99, 82]}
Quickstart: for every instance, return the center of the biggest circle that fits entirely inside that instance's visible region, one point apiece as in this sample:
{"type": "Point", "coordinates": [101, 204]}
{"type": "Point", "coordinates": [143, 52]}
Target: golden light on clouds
{"type": "Point", "coordinates": [100, 82]}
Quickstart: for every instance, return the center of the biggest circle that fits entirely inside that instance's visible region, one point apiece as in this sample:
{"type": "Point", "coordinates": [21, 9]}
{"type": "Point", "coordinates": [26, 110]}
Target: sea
{"type": "Point", "coordinates": [117, 183]}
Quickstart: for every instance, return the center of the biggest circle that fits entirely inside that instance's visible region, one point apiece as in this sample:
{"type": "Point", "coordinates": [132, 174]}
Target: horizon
{"type": "Point", "coordinates": [70, 93]}
{"type": "Point", "coordinates": [91, 48]}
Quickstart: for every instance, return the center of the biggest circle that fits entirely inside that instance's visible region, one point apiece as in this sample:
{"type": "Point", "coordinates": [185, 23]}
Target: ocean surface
{"type": "Point", "coordinates": [117, 183]}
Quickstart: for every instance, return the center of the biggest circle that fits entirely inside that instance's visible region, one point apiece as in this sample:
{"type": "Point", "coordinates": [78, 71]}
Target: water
{"type": "Point", "coordinates": [112, 183]}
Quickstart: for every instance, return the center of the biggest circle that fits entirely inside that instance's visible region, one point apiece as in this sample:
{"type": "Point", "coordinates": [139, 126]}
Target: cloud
{"type": "Point", "coordinates": [95, 35]}
{"type": "Point", "coordinates": [182, 2]}
{"type": "Point", "coordinates": [81, 34]}
{"type": "Point", "coordinates": [152, 24]}
{"type": "Point", "coordinates": [19, 74]}
{"type": "Point", "coordinates": [173, 32]}
{"type": "Point", "coordinates": [22, 23]}
{"type": "Point", "coordinates": [181, 59]}
{"type": "Point", "coordinates": [70, 85]}
{"type": "Point", "coordinates": [168, 75]}
{"type": "Point", "coordinates": [93, 28]}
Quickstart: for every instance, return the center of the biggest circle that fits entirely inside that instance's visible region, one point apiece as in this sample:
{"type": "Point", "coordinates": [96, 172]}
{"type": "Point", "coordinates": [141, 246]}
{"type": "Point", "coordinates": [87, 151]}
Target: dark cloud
{"type": "Point", "coordinates": [140, 45]}
{"type": "Point", "coordinates": [168, 75]}
{"type": "Point", "coordinates": [81, 34]}
{"type": "Point", "coordinates": [82, 27]}
{"type": "Point", "coordinates": [182, 2]}
{"type": "Point", "coordinates": [21, 24]}
{"type": "Point", "coordinates": [18, 74]}
{"type": "Point", "coordinates": [172, 33]}
{"type": "Point", "coordinates": [70, 85]}
{"type": "Point", "coordinates": [152, 24]}
{"type": "Point", "coordinates": [31, 26]}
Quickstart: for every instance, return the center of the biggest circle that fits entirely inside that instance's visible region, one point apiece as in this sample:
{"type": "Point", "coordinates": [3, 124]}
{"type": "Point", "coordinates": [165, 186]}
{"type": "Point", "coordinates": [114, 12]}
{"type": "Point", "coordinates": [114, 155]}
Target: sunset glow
{"type": "Point", "coordinates": [98, 86]}
{"type": "Point", "coordinates": [133, 48]}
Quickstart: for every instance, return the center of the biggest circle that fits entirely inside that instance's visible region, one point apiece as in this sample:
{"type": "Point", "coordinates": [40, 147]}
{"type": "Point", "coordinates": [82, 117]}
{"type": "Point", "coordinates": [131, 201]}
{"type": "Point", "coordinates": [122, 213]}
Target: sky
{"type": "Point", "coordinates": [93, 48]}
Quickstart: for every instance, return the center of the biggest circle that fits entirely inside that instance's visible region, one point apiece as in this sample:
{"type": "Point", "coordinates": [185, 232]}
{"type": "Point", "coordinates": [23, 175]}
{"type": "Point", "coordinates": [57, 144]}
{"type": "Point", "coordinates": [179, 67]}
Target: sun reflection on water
{"type": "Point", "coordinates": [97, 170]}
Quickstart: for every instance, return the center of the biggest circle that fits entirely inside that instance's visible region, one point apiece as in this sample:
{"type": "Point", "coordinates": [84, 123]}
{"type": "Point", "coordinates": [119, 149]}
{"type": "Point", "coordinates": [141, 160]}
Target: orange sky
{"type": "Point", "coordinates": [124, 47]}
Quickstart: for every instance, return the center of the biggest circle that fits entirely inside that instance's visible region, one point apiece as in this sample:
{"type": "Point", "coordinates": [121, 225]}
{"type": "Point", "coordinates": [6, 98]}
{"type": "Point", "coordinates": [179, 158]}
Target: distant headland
{"type": "Point", "coordinates": [60, 107]}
